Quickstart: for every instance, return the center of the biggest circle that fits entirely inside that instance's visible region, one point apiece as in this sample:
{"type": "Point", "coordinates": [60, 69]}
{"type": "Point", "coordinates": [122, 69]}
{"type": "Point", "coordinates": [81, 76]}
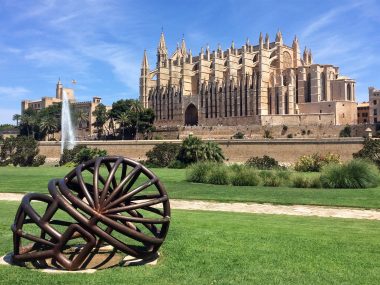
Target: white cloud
{"type": "Point", "coordinates": [13, 92]}
{"type": "Point", "coordinates": [327, 18]}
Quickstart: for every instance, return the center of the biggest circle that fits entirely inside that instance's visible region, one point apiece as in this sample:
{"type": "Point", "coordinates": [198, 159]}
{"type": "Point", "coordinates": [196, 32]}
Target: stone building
{"type": "Point", "coordinates": [268, 83]}
{"type": "Point", "coordinates": [84, 129]}
{"type": "Point", "coordinates": [363, 113]}
{"type": "Point", "coordinates": [374, 105]}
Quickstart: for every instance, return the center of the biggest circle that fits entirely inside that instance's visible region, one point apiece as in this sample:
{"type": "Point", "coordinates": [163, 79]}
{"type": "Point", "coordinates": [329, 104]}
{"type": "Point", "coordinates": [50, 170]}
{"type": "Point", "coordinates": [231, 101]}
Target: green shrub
{"type": "Point", "coordinates": [238, 135]}
{"type": "Point", "coordinates": [162, 155]}
{"type": "Point", "coordinates": [356, 173]}
{"type": "Point", "coordinates": [289, 136]}
{"type": "Point", "coordinates": [265, 162]}
{"type": "Point", "coordinates": [269, 178]}
{"type": "Point", "coordinates": [79, 154]}
{"type": "Point", "coordinates": [86, 154]}
{"type": "Point", "coordinates": [194, 149]}
{"type": "Point", "coordinates": [177, 164]}
{"type": "Point", "coordinates": [370, 151]}
{"type": "Point", "coordinates": [218, 175]}
{"type": "Point", "coordinates": [300, 181]}
{"type": "Point", "coordinates": [213, 152]}
{"type": "Point", "coordinates": [345, 132]}
{"type": "Point", "coordinates": [315, 161]}
{"type": "Point", "coordinates": [244, 177]}
{"type": "Point", "coordinates": [198, 172]}
{"type": "Point", "coordinates": [267, 134]}
{"type": "Point", "coordinates": [69, 154]}
{"type": "Point", "coordinates": [21, 151]}
{"type": "Point", "coordinates": [39, 160]}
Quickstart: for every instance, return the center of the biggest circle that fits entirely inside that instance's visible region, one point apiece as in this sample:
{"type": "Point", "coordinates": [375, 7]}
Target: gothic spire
{"type": "Point", "coordinates": [261, 40]}
{"type": "Point", "coordinates": [145, 64]}
{"type": "Point", "coordinates": [295, 42]}
{"type": "Point", "coordinates": [267, 41]}
{"type": "Point", "coordinates": [279, 37]}
{"type": "Point", "coordinates": [183, 46]}
{"type": "Point", "coordinates": [162, 45]}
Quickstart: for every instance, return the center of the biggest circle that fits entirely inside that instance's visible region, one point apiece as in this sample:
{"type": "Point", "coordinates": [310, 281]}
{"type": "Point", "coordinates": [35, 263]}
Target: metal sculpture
{"type": "Point", "coordinates": [111, 202]}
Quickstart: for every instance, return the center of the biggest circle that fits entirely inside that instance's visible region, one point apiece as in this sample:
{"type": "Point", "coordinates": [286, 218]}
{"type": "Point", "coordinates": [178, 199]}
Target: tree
{"type": "Point", "coordinates": [28, 122]}
{"type": "Point", "coordinates": [370, 151]}
{"type": "Point", "coordinates": [82, 120]}
{"type": "Point", "coordinates": [101, 117]}
{"type": "Point", "coordinates": [123, 120]}
{"type": "Point", "coordinates": [136, 108]}
{"type": "Point", "coordinates": [22, 151]}
{"type": "Point", "coordinates": [48, 125]}
{"type": "Point", "coordinates": [16, 117]}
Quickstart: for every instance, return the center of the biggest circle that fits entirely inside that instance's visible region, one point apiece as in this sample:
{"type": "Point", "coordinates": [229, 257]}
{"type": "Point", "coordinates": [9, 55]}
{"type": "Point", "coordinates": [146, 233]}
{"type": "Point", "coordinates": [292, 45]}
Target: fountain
{"type": "Point", "coordinates": [67, 131]}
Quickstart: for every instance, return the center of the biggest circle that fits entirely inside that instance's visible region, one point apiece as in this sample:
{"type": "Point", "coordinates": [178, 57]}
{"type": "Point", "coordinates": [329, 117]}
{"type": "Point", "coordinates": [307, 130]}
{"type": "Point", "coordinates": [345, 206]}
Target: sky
{"type": "Point", "coordinates": [100, 43]}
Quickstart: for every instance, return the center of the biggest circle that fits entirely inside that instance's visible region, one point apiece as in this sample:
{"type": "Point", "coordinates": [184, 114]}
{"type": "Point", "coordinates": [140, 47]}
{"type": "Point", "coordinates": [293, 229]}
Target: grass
{"type": "Point", "coordinates": [23, 180]}
{"type": "Point", "coordinates": [230, 248]}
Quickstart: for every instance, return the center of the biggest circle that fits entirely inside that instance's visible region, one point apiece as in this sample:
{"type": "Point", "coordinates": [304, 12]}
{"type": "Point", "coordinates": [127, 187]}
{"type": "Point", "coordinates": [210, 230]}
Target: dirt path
{"type": "Point", "coordinates": [294, 210]}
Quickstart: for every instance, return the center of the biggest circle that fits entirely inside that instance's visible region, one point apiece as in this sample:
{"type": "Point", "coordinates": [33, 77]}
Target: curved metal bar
{"type": "Point", "coordinates": [90, 207]}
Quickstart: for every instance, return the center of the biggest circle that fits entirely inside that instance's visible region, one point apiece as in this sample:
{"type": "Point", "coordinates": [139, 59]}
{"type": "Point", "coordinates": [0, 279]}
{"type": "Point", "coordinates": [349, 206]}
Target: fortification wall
{"type": "Point", "coordinates": [284, 150]}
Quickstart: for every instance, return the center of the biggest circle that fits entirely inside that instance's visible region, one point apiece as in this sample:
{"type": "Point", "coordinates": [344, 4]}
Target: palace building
{"type": "Point", "coordinates": [269, 83]}
{"type": "Point", "coordinates": [86, 129]}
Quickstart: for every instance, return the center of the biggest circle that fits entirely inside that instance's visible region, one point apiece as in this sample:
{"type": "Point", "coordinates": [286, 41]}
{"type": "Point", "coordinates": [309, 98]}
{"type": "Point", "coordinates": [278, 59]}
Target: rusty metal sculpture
{"type": "Point", "coordinates": [105, 209]}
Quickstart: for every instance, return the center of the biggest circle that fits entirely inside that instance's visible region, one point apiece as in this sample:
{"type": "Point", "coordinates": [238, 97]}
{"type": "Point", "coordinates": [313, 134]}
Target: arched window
{"type": "Point", "coordinates": [308, 88]}
{"type": "Point", "coordinates": [286, 103]}
{"type": "Point", "coordinates": [297, 88]}
{"type": "Point", "coordinates": [323, 86]}
{"type": "Point", "coordinates": [349, 95]}
{"type": "Point", "coordinates": [287, 60]}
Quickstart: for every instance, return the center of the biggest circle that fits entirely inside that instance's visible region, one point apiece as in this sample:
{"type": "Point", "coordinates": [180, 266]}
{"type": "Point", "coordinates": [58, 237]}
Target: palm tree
{"type": "Point", "coordinates": [82, 120]}
{"type": "Point", "coordinates": [28, 121]}
{"type": "Point", "coordinates": [136, 108]}
{"type": "Point", "coordinates": [49, 125]}
{"type": "Point", "coordinates": [124, 119]}
{"type": "Point", "coordinates": [16, 117]}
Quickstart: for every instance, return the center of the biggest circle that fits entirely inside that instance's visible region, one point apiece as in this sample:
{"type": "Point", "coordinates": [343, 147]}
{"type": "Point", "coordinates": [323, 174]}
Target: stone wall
{"type": "Point", "coordinates": [257, 132]}
{"type": "Point", "coordinates": [284, 150]}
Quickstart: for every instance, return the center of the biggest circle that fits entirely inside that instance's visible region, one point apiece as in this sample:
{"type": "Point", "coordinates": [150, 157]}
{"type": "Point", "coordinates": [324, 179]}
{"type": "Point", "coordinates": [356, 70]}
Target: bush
{"type": "Point", "coordinates": [218, 175]}
{"type": "Point", "coordinates": [198, 172]}
{"type": "Point", "coordinates": [238, 135]}
{"type": "Point", "coordinates": [177, 164]}
{"type": "Point", "coordinates": [21, 151]}
{"type": "Point", "coordinates": [270, 179]}
{"type": "Point", "coordinates": [370, 151]}
{"type": "Point", "coordinates": [244, 177]}
{"type": "Point", "coordinates": [265, 162]}
{"type": "Point", "coordinates": [300, 181]}
{"type": "Point", "coordinates": [267, 134]}
{"type": "Point", "coordinates": [315, 161]}
{"type": "Point", "coordinates": [39, 160]}
{"type": "Point", "coordinates": [284, 129]}
{"type": "Point", "coordinates": [162, 155]}
{"type": "Point", "coordinates": [79, 154]}
{"type": "Point", "coordinates": [289, 136]}
{"type": "Point", "coordinates": [194, 149]}
{"type": "Point", "coordinates": [345, 132]}
{"type": "Point", "coordinates": [355, 174]}
{"type": "Point", "coordinates": [69, 154]}
{"type": "Point", "coordinates": [86, 154]}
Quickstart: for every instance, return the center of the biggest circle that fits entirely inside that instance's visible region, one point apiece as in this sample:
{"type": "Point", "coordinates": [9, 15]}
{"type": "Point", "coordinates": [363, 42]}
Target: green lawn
{"type": "Point", "coordinates": [230, 248]}
{"type": "Point", "coordinates": [24, 180]}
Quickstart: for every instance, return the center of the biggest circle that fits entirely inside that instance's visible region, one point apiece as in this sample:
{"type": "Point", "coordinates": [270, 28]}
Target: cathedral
{"type": "Point", "coordinates": [264, 84]}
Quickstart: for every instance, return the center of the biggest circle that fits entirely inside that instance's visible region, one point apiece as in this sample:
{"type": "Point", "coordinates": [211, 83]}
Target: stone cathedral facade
{"type": "Point", "coordinates": [265, 84]}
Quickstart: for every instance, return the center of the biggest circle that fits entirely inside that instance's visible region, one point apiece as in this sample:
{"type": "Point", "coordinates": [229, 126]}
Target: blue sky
{"type": "Point", "coordinates": [100, 43]}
